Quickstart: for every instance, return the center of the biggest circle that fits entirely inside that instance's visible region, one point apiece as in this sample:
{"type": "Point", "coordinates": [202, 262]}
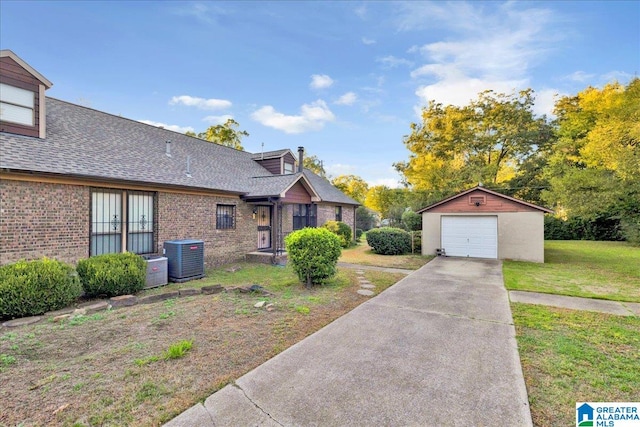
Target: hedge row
{"type": "Point", "coordinates": [31, 288]}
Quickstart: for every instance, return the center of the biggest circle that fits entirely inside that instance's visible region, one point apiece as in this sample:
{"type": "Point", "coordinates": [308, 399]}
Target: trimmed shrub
{"type": "Point", "coordinates": [359, 233]}
{"type": "Point", "coordinates": [112, 274]}
{"type": "Point", "coordinates": [340, 229]}
{"type": "Point", "coordinates": [314, 254]}
{"type": "Point", "coordinates": [30, 288]}
{"type": "Point", "coordinates": [389, 241]}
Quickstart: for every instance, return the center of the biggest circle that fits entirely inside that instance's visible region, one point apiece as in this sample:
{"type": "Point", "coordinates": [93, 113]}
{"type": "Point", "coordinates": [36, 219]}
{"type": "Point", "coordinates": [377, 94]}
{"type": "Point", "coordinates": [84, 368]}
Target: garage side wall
{"type": "Point", "coordinates": [430, 233]}
{"type": "Point", "coordinates": [520, 236]}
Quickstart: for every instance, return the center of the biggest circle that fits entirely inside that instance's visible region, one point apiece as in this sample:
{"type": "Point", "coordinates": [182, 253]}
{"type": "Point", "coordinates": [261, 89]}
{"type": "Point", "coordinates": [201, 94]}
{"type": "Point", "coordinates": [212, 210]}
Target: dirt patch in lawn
{"type": "Point", "coordinates": [110, 368]}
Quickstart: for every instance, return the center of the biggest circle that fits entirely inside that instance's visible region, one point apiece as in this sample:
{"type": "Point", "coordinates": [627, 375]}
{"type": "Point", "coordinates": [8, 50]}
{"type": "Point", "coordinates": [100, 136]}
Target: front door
{"type": "Point", "coordinates": [263, 218]}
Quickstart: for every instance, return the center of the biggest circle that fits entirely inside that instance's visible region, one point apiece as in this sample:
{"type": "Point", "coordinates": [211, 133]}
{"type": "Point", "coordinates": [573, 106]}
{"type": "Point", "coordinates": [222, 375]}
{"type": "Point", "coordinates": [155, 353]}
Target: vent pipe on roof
{"type": "Point", "coordinates": [168, 149]}
{"type": "Point", "coordinates": [300, 158]}
{"type": "Point", "coordinates": [189, 166]}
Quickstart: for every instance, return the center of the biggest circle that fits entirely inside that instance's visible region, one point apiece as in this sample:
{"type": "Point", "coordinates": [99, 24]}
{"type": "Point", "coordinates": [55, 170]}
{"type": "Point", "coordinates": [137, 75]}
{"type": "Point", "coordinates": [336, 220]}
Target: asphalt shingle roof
{"type": "Point", "coordinates": [87, 143]}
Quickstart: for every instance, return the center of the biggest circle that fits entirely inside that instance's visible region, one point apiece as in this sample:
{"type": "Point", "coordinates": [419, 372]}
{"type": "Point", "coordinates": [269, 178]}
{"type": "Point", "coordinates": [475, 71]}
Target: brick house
{"type": "Point", "coordinates": [77, 182]}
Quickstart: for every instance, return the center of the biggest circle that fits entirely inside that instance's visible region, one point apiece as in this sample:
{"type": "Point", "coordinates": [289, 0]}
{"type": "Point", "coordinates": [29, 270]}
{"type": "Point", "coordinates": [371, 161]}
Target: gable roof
{"type": "Point", "coordinates": [6, 53]}
{"type": "Point", "coordinates": [327, 191]}
{"type": "Point", "coordinates": [479, 188]}
{"type": "Point", "coordinates": [272, 154]}
{"type": "Point", "coordinates": [91, 144]}
{"type": "Point", "coordinates": [278, 185]}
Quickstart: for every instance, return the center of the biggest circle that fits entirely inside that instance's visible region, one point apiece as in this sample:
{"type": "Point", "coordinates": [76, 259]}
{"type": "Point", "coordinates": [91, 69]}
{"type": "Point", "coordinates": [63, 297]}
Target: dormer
{"type": "Point", "coordinates": [280, 162]}
{"type": "Point", "coordinates": [22, 98]}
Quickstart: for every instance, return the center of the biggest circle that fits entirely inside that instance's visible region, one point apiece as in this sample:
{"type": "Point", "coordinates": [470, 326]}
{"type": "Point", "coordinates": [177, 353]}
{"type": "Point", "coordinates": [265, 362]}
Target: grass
{"type": "Point", "coordinates": [604, 270]}
{"type": "Point", "coordinates": [118, 367]}
{"type": "Point", "coordinates": [362, 254]}
{"type": "Point", "coordinates": [571, 356]}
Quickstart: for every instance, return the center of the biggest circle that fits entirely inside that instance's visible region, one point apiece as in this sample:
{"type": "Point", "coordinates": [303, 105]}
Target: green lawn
{"type": "Point", "coordinates": [362, 254]}
{"type": "Point", "coordinates": [604, 270]}
{"type": "Point", "coordinates": [571, 356]}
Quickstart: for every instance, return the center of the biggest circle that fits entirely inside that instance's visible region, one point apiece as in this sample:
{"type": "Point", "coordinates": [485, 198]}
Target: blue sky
{"type": "Point", "coordinates": [342, 79]}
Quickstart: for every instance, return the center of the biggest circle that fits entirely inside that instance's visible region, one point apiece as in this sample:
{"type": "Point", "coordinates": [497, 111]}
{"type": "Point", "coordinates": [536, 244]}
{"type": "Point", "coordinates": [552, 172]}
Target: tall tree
{"type": "Point", "coordinates": [486, 141]}
{"type": "Point", "coordinates": [315, 165]}
{"type": "Point", "coordinates": [352, 185]}
{"type": "Point", "coordinates": [226, 134]}
{"type": "Point", "coordinates": [595, 168]}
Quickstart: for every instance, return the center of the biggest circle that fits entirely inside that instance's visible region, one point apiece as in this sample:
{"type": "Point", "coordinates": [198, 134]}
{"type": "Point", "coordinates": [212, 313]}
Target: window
{"type": "Point", "coordinates": [304, 216]}
{"type": "Point", "coordinates": [338, 213]}
{"type": "Point", "coordinates": [140, 227]}
{"type": "Point", "coordinates": [288, 168]}
{"type": "Point", "coordinates": [225, 217]}
{"type": "Point", "coordinates": [109, 222]}
{"type": "Point", "coordinates": [17, 105]}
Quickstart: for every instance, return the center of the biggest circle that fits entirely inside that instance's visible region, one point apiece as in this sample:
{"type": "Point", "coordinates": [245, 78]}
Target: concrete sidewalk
{"type": "Point", "coordinates": [436, 349]}
{"type": "Point", "coordinates": [575, 303]}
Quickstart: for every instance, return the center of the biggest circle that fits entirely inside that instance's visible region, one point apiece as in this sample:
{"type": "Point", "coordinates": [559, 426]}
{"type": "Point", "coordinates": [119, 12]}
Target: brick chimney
{"type": "Point", "coordinates": [300, 158]}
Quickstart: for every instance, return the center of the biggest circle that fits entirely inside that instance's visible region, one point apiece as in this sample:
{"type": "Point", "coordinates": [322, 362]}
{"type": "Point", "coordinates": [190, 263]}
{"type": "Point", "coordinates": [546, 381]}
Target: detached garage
{"type": "Point", "coordinates": [480, 223]}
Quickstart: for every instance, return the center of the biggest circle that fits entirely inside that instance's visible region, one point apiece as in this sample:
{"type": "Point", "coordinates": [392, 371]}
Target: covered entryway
{"type": "Point", "coordinates": [470, 236]}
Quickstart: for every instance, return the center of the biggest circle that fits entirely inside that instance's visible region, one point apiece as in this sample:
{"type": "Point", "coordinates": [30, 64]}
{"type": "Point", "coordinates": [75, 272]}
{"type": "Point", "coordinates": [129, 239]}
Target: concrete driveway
{"type": "Point", "coordinates": [436, 349]}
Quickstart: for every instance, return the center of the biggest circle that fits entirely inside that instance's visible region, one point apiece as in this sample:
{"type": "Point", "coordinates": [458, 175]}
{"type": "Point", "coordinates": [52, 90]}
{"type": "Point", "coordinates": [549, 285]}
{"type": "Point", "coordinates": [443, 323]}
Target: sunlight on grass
{"type": "Point", "coordinates": [362, 254]}
{"type": "Point", "coordinates": [570, 356]}
{"type": "Point", "coordinates": [605, 270]}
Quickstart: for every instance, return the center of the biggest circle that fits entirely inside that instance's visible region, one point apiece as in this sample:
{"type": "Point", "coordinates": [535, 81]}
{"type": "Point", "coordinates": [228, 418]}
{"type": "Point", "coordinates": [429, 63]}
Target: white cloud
{"type": "Point", "coordinates": [545, 101]}
{"type": "Point", "coordinates": [462, 90]}
{"type": "Point", "coordinates": [201, 103]}
{"type": "Point", "coordinates": [488, 49]}
{"type": "Point", "coordinates": [368, 41]}
{"type": "Point", "coordinates": [338, 169]}
{"type": "Point", "coordinates": [388, 182]}
{"type": "Point", "coordinates": [392, 62]}
{"type": "Point", "coordinates": [312, 117]}
{"type": "Point", "coordinates": [348, 98]}
{"type": "Point", "coordinates": [320, 81]}
{"type": "Point", "coordinates": [175, 128]}
{"type": "Point", "coordinates": [579, 76]}
{"type": "Point", "coordinates": [619, 76]}
{"type": "Point", "coordinates": [361, 11]}
{"type": "Point", "coordinates": [217, 120]}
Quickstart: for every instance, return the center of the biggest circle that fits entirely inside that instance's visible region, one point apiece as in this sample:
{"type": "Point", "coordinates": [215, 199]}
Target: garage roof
{"type": "Point", "coordinates": [485, 190]}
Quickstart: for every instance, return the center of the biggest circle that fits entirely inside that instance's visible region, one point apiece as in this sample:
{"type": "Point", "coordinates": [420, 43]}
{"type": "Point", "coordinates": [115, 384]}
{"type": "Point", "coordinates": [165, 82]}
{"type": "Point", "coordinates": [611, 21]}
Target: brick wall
{"type": "Point", "coordinates": [39, 219]}
{"type": "Point", "coordinates": [183, 216]}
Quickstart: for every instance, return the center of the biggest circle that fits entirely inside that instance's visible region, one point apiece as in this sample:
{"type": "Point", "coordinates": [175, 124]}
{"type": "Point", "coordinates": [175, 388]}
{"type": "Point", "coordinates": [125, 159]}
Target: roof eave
{"type": "Point", "coordinates": [486, 190]}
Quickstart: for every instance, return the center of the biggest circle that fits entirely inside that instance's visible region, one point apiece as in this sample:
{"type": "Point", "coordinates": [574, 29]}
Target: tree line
{"type": "Point", "coordinates": [584, 163]}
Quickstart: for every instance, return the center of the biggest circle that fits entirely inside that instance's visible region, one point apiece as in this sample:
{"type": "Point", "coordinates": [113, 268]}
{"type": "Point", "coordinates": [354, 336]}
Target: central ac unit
{"type": "Point", "coordinates": [186, 259]}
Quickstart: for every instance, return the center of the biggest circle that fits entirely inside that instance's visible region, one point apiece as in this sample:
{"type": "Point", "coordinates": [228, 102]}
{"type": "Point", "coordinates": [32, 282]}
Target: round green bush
{"type": "Point", "coordinates": [112, 274]}
{"type": "Point", "coordinates": [314, 254]}
{"type": "Point", "coordinates": [30, 288]}
{"type": "Point", "coordinates": [389, 241]}
{"type": "Point", "coordinates": [340, 229]}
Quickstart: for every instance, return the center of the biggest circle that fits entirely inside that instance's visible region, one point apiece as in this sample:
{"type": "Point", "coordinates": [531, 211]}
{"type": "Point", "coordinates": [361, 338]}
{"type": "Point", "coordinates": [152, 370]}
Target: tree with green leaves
{"type": "Point", "coordinates": [486, 141]}
{"type": "Point", "coordinates": [314, 164]}
{"type": "Point", "coordinates": [226, 134]}
{"type": "Point", "coordinates": [352, 185]}
{"type": "Point", "coordinates": [595, 168]}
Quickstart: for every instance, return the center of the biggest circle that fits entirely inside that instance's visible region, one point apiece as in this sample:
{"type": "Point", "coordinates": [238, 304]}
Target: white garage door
{"type": "Point", "coordinates": [470, 236]}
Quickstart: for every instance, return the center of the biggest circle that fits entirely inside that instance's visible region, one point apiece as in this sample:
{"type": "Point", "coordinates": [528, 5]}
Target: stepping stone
{"type": "Point", "coordinates": [359, 272]}
{"type": "Point", "coordinates": [365, 292]}
{"type": "Point", "coordinates": [21, 322]}
{"type": "Point", "coordinates": [365, 282]}
{"type": "Point", "coordinates": [123, 301]}
{"type": "Point", "coordinates": [368, 286]}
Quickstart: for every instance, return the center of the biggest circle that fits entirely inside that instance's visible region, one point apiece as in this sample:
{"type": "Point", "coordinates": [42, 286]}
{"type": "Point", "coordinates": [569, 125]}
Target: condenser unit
{"type": "Point", "coordinates": [186, 259]}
